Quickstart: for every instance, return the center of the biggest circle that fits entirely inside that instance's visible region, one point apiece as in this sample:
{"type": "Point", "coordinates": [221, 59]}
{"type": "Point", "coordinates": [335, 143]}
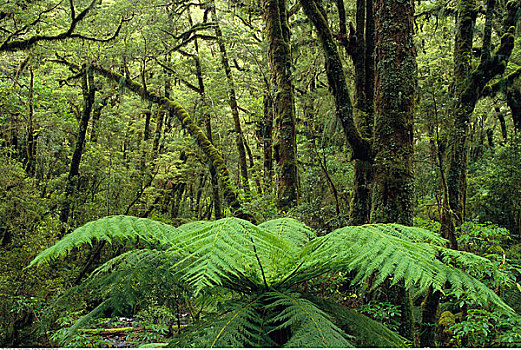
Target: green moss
{"type": "Point", "coordinates": [447, 319]}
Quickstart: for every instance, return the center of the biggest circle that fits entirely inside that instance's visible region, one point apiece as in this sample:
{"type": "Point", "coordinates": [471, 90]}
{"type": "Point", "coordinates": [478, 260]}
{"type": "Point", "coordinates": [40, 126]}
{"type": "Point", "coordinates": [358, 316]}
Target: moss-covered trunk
{"type": "Point", "coordinates": [279, 53]}
{"type": "Point", "coordinates": [337, 81]}
{"type": "Point", "coordinates": [32, 134]}
{"type": "Point", "coordinates": [360, 47]}
{"type": "Point", "coordinates": [395, 82]}
{"type": "Point", "coordinates": [229, 191]}
{"type": "Point", "coordinates": [208, 127]}
{"type": "Point", "coordinates": [232, 98]}
{"type": "Point", "coordinates": [468, 88]}
{"type": "Point", "coordinates": [395, 86]}
{"type": "Point", "coordinates": [266, 133]}
{"type": "Point", "coordinates": [89, 91]}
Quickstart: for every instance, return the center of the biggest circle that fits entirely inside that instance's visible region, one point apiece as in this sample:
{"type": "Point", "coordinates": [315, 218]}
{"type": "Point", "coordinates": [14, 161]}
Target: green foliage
{"type": "Point", "coordinates": [384, 312]}
{"type": "Point", "coordinates": [495, 187]}
{"type": "Point", "coordinates": [483, 328]}
{"type": "Point", "coordinates": [310, 326]}
{"type": "Point", "coordinates": [257, 271]}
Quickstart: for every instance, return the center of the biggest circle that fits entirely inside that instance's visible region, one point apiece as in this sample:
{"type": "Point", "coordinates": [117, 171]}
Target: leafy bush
{"type": "Point", "coordinates": [243, 283]}
{"type": "Point", "coordinates": [483, 328]}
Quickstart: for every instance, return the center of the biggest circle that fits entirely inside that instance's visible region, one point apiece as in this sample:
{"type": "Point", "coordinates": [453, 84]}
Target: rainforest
{"type": "Point", "coordinates": [260, 173]}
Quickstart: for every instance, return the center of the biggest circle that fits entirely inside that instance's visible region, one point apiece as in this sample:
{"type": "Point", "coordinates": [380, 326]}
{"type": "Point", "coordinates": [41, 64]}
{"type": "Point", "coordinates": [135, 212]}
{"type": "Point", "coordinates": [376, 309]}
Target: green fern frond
{"type": "Point", "coordinates": [290, 230]}
{"type": "Point", "coordinates": [310, 326]}
{"type": "Point", "coordinates": [238, 326]}
{"type": "Point", "coordinates": [192, 226]}
{"type": "Point", "coordinates": [120, 229]}
{"type": "Point", "coordinates": [392, 251]}
{"type": "Point", "coordinates": [230, 249]}
{"type": "Point", "coordinates": [368, 332]}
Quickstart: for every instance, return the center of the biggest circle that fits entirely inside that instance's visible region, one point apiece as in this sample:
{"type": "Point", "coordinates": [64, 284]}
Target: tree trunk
{"type": "Point", "coordinates": [96, 116]}
{"type": "Point", "coordinates": [395, 86]}
{"type": "Point", "coordinates": [337, 81]}
{"type": "Point", "coordinates": [266, 132]}
{"type": "Point", "coordinates": [239, 136]}
{"type": "Point", "coordinates": [360, 47]}
{"type": "Point", "coordinates": [279, 53]}
{"type": "Point", "coordinates": [32, 135]}
{"type": "Point", "coordinates": [468, 88]}
{"type": "Point", "coordinates": [89, 90]}
{"type": "Point", "coordinates": [514, 102]}
{"type": "Point", "coordinates": [208, 126]}
{"type": "Point", "coordinates": [394, 109]}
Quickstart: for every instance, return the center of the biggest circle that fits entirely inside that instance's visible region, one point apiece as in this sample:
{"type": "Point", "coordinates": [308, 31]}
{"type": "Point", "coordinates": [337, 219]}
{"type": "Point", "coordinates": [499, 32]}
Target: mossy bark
{"type": "Point", "coordinates": [266, 133]}
{"type": "Point", "coordinates": [232, 98]}
{"type": "Point", "coordinates": [337, 81]}
{"type": "Point", "coordinates": [395, 82]}
{"type": "Point", "coordinates": [395, 86]}
{"type": "Point", "coordinates": [96, 116]}
{"type": "Point", "coordinates": [429, 311]}
{"type": "Point", "coordinates": [469, 86]}
{"type": "Point", "coordinates": [229, 191]}
{"type": "Point", "coordinates": [279, 53]}
{"type": "Point", "coordinates": [217, 206]}
{"type": "Point", "coordinates": [32, 134]}
{"type": "Point", "coordinates": [514, 102]}
{"type": "Point", "coordinates": [360, 47]}
{"type": "Point", "coordinates": [89, 91]}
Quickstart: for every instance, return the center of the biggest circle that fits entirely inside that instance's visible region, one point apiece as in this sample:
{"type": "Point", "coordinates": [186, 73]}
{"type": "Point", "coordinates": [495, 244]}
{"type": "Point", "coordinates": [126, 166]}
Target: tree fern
{"type": "Point", "coordinates": [394, 251]}
{"type": "Point", "coordinates": [238, 325]}
{"type": "Point", "coordinates": [310, 326]}
{"type": "Point", "coordinates": [120, 229]}
{"type": "Point", "coordinates": [259, 269]}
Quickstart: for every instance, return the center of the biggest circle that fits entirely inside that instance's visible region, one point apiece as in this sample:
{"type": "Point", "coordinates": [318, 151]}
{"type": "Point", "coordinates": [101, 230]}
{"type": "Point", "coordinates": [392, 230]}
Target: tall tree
{"type": "Point", "coordinates": [468, 87]}
{"type": "Point", "coordinates": [278, 38]}
{"type": "Point", "coordinates": [395, 87]}
{"type": "Point", "coordinates": [208, 123]}
{"type": "Point", "coordinates": [232, 96]}
{"type": "Point", "coordinates": [89, 90]}
{"type": "Point", "coordinates": [359, 44]}
{"type": "Point", "coordinates": [395, 82]}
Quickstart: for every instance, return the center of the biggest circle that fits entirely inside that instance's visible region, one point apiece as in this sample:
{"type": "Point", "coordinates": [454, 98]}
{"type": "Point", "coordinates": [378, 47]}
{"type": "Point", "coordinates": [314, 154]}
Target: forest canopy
{"type": "Point", "coordinates": [302, 173]}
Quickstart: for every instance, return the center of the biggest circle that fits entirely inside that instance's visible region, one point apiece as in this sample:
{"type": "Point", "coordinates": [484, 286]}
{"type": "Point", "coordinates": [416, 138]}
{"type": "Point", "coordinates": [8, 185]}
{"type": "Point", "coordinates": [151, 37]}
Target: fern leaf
{"type": "Point", "coordinates": [393, 251]}
{"type": "Point", "coordinates": [238, 326]}
{"type": "Point", "coordinates": [118, 228]}
{"type": "Point", "coordinates": [368, 332]}
{"type": "Point", "coordinates": [310, 326]}
{"type": "Point", "coordinates": [290, 230]}
{"type": "Point", "coordinates": [229, 249]}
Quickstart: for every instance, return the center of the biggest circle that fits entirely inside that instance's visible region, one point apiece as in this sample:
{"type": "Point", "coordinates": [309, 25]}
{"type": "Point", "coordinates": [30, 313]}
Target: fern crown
{"type": "Point", "coordinates": [261, 266]}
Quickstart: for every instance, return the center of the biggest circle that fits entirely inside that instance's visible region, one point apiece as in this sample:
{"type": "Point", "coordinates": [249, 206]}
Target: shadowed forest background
{"type": "Point", "coordinates": [197, 173]}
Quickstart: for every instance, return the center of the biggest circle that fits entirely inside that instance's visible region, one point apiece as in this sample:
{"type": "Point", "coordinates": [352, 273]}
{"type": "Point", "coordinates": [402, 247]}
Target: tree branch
{"type": "Point", "coordinates": [23, 44]}
{"type": "Point", "coordinates": [230, 193]}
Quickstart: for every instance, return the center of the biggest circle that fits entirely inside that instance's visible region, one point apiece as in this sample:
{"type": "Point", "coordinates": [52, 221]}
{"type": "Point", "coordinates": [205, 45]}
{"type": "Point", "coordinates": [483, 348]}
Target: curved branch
{"type": "Point", "coordinates": [230, 193]}
{"type": "Point", "coordinates": [337, 81]}
{"type": "Point", "coordinates": [23, 44]}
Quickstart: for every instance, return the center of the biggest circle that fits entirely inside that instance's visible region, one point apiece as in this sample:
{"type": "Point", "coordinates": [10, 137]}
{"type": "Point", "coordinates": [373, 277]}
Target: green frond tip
{"type": "Point", "coordinates": [412, 255]}
{"type": "Point", "coordinates": [310, 326]}
{"type": "Point", "coordinates": [368, 332]}
{"type": "Point", "coordinates": [120, 229]}
{"type": "Point", "coordinates": [290, 230]}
